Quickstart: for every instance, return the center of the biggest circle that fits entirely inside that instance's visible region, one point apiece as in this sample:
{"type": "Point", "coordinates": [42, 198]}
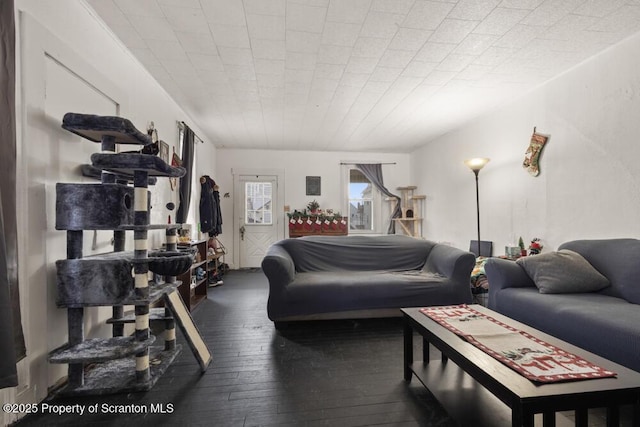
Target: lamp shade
{"type": "Point", "coordinates": [477, 163]}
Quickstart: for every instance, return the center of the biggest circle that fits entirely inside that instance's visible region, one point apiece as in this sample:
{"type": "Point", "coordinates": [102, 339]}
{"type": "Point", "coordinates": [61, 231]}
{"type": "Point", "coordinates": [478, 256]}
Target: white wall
{"type": "Point", "coordinates": [68, 61]}
{"type": "Point", "coordinates": [296, 166]}
{"type": "Point", "coordinates": [589, 181]}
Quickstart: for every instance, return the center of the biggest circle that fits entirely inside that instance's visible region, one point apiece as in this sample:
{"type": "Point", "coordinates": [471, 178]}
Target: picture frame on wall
{"type": "Point", "coordinates": [164, 151]}
{"type": "Point", "coordinates": [313, 186]}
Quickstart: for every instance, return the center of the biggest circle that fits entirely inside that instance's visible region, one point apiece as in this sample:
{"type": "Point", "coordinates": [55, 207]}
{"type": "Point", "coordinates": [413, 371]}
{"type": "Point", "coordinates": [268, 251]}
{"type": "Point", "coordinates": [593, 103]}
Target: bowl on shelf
{"type": "Point", "coordinates": [169, 263]}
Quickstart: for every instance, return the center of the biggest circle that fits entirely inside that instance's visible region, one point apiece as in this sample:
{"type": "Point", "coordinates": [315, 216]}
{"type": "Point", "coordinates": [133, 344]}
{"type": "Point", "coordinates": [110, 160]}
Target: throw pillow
{"type": "Point", "coordinates": [563, 272]}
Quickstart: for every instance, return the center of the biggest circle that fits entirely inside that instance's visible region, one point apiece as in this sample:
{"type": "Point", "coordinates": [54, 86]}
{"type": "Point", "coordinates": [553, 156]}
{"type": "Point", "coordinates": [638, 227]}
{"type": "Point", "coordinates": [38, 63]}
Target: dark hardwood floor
{"type": "Point", "coordinates": [331, 373]}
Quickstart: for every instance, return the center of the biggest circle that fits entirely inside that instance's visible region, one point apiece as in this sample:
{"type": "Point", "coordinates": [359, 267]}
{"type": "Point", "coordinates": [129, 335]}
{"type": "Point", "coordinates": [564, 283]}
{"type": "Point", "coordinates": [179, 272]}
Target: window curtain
{"type": "Point", "coordinates": [12, 347]}
{"type": "Point", "coordinates": [188, 148]}
{"type": "Point", "coordinates": [373, 172]}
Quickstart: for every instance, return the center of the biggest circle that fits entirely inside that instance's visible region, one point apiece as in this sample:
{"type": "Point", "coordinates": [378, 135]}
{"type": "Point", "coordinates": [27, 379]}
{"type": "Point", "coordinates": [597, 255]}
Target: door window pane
{"type": "Point", "coordinates": [258, 206]}
{"type": "Point", "coordinates": [360, 201]}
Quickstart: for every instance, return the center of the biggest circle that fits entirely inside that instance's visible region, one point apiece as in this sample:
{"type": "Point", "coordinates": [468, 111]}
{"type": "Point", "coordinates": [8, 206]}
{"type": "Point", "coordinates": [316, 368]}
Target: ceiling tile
{"type": "Point", "coordinates": [266, 27]}
{"type": "Point", "coordinates": [455, 62]}
{"type": "Point", "coordinates": [392, 6]}
{"type": "Point", "coordinates": [599, 9]}
{"type": "Point", "coordinates": [152, 28]}
{"type": "Point", "coordinates": [268, 49]}
{"type": "Point", "coordinates": [419, 69]}
{"type": "Point", "coordinates": [269, 66]}
{"type": "Point", "coordinates": [500, 21]}
{"type": "Point", "coordinates": [550, 12]}
{"type": "Point", "coordinates": [163, 49]}
{"type": "Point", "coordinates": [350, 12]}
{"type": "Point", "coordinates": [329, 71]}
{"type": "Point", "coordinates": [301, 41]}
{"type": "Point", "coordinates": [305, 18]}
{"type": "Point", "coordinates": [328, 54]}
{"type": "Point", "coordinates": [224, 12]}
{"type": "Point", "coordinates": [300, 61]}
{"type": "Point", "coordinates": [193, 4]}
{"type": "Point", "coordinates": [235, 56]}
{"type": "Point", "coordinates": [452, 31]}
{"type": "Point", "coordinates": [370, 47]}
{"type": "Point", "coordinates": [396, 58]}
{"type": "Point", "coordinates": [473, 10]}
{"type": "Point", "coordinates": [148, 8]}
{"type": "Point", "coordinates": [197, 43]}
{"type": "Point", "coordinates": [475, 44]}
{"type": "Point", "coordinates": [378, 24]}
{"type": "Point", "coordinates": [427, 15]}
{"type": "Point", "coordinates": [410, 39]}
{"type": "Point", "coordinates": [206, 62]}
{"type": "Point", "coordinates": [261, 7]}
{"type": "Point", "coordinates": [340, 34]}
{"type": "Point", "coordinates": [231, 36]}
{"type": "Point", "coordinates": [361, 65]}
{"type": "Point", "coordinates": [434, 52]}
{"type": "Point", "coordinates": [186, 19]}
{"type": "Point", "coordinates": [521, 4]}
{"type": "Point", "coordinates": [385, 74]}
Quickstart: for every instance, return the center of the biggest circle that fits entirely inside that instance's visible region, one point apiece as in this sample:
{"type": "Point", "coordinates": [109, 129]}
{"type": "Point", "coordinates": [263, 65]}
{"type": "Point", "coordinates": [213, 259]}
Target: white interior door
{"type": "Point", "coordinates": [258, 225]}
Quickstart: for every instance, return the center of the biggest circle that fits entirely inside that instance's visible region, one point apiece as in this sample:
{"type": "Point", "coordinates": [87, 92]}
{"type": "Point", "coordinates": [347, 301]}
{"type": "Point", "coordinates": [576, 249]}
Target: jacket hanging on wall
{"type": "Point", "coordinates": [210, 213]}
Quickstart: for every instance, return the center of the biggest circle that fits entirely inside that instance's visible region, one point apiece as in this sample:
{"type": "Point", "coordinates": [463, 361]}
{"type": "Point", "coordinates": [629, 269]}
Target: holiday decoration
{"type": "Point", "coordinates": [532, 156]}
{"type": "Point", "coordinates": [535, 247]}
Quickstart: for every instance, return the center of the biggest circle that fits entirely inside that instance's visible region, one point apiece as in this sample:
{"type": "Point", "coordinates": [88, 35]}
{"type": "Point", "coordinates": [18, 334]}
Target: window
{"type": "Point", "coordinates": [362, 202]}
{"type": "Point", "coordinates": [258, 206]}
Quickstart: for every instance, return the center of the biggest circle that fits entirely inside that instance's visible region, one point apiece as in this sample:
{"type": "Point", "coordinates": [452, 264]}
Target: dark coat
{"type": "Point", "coordinates": [210, 213]}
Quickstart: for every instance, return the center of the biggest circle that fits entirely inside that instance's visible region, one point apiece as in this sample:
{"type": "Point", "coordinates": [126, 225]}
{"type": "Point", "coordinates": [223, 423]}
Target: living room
{"type": "Point", "coordinates": [68, 59]}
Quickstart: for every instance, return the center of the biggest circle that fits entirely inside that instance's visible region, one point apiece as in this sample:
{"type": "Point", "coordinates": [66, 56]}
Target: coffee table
{"type": "Point", "coordinates": [468, 399]}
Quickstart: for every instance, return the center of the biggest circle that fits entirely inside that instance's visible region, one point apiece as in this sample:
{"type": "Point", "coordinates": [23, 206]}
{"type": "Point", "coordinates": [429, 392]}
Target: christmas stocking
{"type": "Point", "coordinates": [532, 155]}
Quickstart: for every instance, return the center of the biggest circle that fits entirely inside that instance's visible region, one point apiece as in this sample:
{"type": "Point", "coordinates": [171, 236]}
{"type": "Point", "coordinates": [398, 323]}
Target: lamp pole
{"type": "Point", "coordinates": [475, 165]}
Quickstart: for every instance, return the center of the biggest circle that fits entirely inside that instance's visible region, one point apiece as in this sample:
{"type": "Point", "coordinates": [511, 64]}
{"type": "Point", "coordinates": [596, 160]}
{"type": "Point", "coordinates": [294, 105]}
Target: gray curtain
{"type": "Point", "coordinates": [188, 148]}
{"type": "Point", "coordinates": [12, 347]}
{"type": "Point", "coordinates": [373, 172]}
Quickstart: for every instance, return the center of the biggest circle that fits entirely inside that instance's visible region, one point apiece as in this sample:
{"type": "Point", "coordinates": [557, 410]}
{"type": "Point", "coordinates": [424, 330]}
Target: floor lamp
{"type": "Point", "coordinates": [475, 165]}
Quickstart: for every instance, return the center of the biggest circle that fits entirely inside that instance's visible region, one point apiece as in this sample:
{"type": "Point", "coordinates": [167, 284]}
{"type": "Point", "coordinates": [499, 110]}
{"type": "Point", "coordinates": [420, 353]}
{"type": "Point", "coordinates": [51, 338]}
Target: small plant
{"type": "Point", "coordinates": [313, 206]}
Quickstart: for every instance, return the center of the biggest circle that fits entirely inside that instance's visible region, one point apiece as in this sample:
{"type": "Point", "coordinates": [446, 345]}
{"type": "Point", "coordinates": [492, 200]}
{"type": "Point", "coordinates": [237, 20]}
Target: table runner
{"type": "Point", "coordinates": [531, 357]}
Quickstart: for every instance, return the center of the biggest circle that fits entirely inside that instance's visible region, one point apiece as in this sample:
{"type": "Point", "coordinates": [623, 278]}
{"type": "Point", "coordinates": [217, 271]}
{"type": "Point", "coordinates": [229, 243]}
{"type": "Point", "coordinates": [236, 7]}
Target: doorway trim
{"type": "Point", "coordinates": [278, 210]}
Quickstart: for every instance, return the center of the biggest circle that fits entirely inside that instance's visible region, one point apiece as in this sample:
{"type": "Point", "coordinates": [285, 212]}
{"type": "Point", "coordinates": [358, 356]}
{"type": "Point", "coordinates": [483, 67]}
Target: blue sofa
{"type": "Point", "coordinates": [605, 322]}
{"type": "Point", "coordinates": [332, 277]}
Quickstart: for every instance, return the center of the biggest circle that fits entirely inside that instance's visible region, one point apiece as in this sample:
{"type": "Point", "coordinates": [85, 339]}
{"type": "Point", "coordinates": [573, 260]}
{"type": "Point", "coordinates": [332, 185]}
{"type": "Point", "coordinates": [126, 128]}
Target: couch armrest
{"type": "Point", "coordinates": [451, 262]}
{"type": "Point", "coordinates": [503, 273]}
{"type": "Point", "coordinates": [279, 268]}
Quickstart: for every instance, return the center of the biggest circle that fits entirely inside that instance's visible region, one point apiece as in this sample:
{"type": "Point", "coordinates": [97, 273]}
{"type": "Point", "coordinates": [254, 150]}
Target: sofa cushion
{"type": "Point", "coordinates": [616, 259]}
{"type": "Point", "coordinates": [562, 272]}
{"type": "Point", "coordinates": [357, 253]}
{"type": "Point", "coordinates": [601, 324]}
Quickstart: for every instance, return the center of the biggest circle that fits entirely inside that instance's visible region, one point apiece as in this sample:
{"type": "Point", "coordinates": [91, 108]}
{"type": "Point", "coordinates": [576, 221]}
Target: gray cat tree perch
{"type": "Point", "coordinates": [120, 363]}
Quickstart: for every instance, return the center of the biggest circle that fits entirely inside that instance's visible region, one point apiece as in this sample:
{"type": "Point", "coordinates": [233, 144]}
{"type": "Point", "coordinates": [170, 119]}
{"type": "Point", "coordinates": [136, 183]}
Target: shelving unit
{"type": "Point", "coordinates": [192, 289]}
{"type": "Point", "coordinates": [411, 206]}
{"type": "Point", "coordinates": [118, 364]}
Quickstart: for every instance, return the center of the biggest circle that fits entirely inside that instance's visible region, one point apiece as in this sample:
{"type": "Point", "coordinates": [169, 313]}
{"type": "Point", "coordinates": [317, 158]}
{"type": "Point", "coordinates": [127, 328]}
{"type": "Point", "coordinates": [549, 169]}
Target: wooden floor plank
{"type": "Point", "coordinates": [333, 373]}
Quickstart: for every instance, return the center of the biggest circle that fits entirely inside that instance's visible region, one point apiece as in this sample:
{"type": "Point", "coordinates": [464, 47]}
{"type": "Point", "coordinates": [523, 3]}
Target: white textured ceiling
{"type": "Point", "coordinates": [357, 75]}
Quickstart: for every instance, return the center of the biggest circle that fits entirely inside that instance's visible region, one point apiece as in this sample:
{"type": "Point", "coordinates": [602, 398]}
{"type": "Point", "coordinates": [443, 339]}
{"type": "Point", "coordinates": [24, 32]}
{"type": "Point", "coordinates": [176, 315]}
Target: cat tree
{"type": "Point", "coordinates": [411, 206]}
{"type": "Point", "coordinates": [119, 363]}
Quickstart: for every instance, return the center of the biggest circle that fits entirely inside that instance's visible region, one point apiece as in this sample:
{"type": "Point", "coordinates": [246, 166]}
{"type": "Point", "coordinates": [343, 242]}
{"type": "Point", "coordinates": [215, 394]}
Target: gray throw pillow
{"type": "Point", "coordinates": [563, 272]}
